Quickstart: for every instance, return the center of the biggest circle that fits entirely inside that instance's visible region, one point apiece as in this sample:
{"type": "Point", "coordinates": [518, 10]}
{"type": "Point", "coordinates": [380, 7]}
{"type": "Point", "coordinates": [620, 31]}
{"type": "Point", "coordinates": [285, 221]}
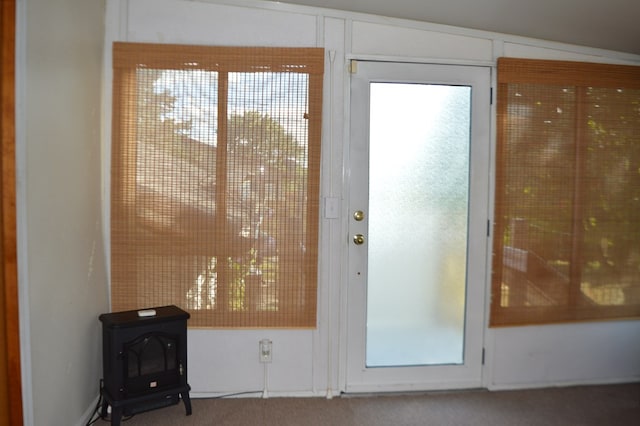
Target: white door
{"type": "Point", "coordinates": [418, 169]}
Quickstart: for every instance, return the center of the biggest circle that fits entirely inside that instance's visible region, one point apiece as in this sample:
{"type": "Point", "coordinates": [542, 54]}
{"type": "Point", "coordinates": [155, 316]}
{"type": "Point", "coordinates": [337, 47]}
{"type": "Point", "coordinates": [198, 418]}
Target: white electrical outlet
{"type": "Point", "coordinates": [265, 350]}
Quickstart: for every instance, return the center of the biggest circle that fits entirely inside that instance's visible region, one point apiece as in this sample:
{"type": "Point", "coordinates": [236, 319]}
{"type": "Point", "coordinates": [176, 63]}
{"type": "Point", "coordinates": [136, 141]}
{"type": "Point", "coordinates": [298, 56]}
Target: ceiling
{"type": "Point", "coordinates": [606, 24]}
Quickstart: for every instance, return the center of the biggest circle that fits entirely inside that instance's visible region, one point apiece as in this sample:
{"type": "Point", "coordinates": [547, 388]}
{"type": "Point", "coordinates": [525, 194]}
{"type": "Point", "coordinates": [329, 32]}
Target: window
{"type": "Point", "coordinates": [567, 216]}
{"type": "Point", "coordinates": [215, 182]}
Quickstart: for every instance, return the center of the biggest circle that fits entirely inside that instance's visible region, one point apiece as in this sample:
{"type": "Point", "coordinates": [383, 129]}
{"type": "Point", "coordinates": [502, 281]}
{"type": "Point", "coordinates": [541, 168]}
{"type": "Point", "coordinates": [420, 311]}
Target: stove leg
{"type": "Point", "coordinates": [116, 415]}
{"type": "Point", "coordinates": [187, 402]}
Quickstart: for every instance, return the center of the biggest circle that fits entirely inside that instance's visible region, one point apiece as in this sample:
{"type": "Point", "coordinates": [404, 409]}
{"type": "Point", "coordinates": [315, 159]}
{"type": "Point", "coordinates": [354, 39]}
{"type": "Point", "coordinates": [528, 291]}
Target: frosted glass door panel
{"type": "Point", "coordinates": [418, 212]}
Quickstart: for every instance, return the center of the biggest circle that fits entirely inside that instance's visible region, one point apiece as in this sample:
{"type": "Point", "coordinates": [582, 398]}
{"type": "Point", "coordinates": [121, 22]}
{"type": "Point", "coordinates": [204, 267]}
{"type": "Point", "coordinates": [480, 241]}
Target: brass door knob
{"type": "Point", "coordinates": [358, 239]}
{"type": "Point", "coordinates": [358, 215]}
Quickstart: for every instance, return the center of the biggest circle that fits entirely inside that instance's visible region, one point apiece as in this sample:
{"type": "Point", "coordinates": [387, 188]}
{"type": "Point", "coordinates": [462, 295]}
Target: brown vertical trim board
{"type": "Point", "coordinates": [10, 381]}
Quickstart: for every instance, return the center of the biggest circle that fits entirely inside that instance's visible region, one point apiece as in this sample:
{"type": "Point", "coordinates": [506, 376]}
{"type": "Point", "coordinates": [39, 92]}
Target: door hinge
{"type": "Point", "coordinates": [482, 356]}
{"type": "Point", "coordinates": [491, 96]}
{"type": "Point", "coordinates": [488, 228]}
{"type": "Point", "coordinates": [353, 66]}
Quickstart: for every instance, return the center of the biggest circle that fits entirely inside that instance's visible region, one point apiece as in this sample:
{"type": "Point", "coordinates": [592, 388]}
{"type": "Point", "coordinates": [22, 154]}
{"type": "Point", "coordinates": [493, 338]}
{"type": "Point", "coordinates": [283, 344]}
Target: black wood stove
{"type": "Point", "coordinates": [144, 357]}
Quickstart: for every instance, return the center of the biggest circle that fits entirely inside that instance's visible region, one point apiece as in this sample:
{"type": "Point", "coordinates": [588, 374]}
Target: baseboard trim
{"type": "Point", "coordinates": [542, 385]}
{"type": "Point", "coordinates": [89, 412]}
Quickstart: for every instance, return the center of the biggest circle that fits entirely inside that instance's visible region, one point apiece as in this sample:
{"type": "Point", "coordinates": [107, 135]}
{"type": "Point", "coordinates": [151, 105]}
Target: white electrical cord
{"type": "Point", "coordinates": [265, 388]}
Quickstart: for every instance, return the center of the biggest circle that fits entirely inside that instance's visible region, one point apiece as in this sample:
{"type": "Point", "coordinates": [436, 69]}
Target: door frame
{"type": "Point", "coordinates": [479, 214]}
{"type": "Point", "coordinates": [11, 391]}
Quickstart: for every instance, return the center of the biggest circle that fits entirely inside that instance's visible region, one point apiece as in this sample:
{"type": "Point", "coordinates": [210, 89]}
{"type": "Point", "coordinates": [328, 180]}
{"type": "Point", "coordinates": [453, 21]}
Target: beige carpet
{"type": "Point", "coordinates": [610, 405]}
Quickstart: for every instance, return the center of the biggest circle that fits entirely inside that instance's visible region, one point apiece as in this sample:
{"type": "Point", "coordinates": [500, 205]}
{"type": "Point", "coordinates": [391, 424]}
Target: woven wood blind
{"type": "Point", "coordinates": [567, 214]}
{"type": "Point", "coordinates": [215, 182]}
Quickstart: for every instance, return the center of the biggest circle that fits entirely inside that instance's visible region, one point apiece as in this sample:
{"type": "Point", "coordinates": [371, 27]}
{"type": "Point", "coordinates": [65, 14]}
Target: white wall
{"type": "Point", "coordinates": [311, 362]}
{"type": "Point", "coordinates": [567, 354]}
{"type": "Point", "coordinates": [62, 267]}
